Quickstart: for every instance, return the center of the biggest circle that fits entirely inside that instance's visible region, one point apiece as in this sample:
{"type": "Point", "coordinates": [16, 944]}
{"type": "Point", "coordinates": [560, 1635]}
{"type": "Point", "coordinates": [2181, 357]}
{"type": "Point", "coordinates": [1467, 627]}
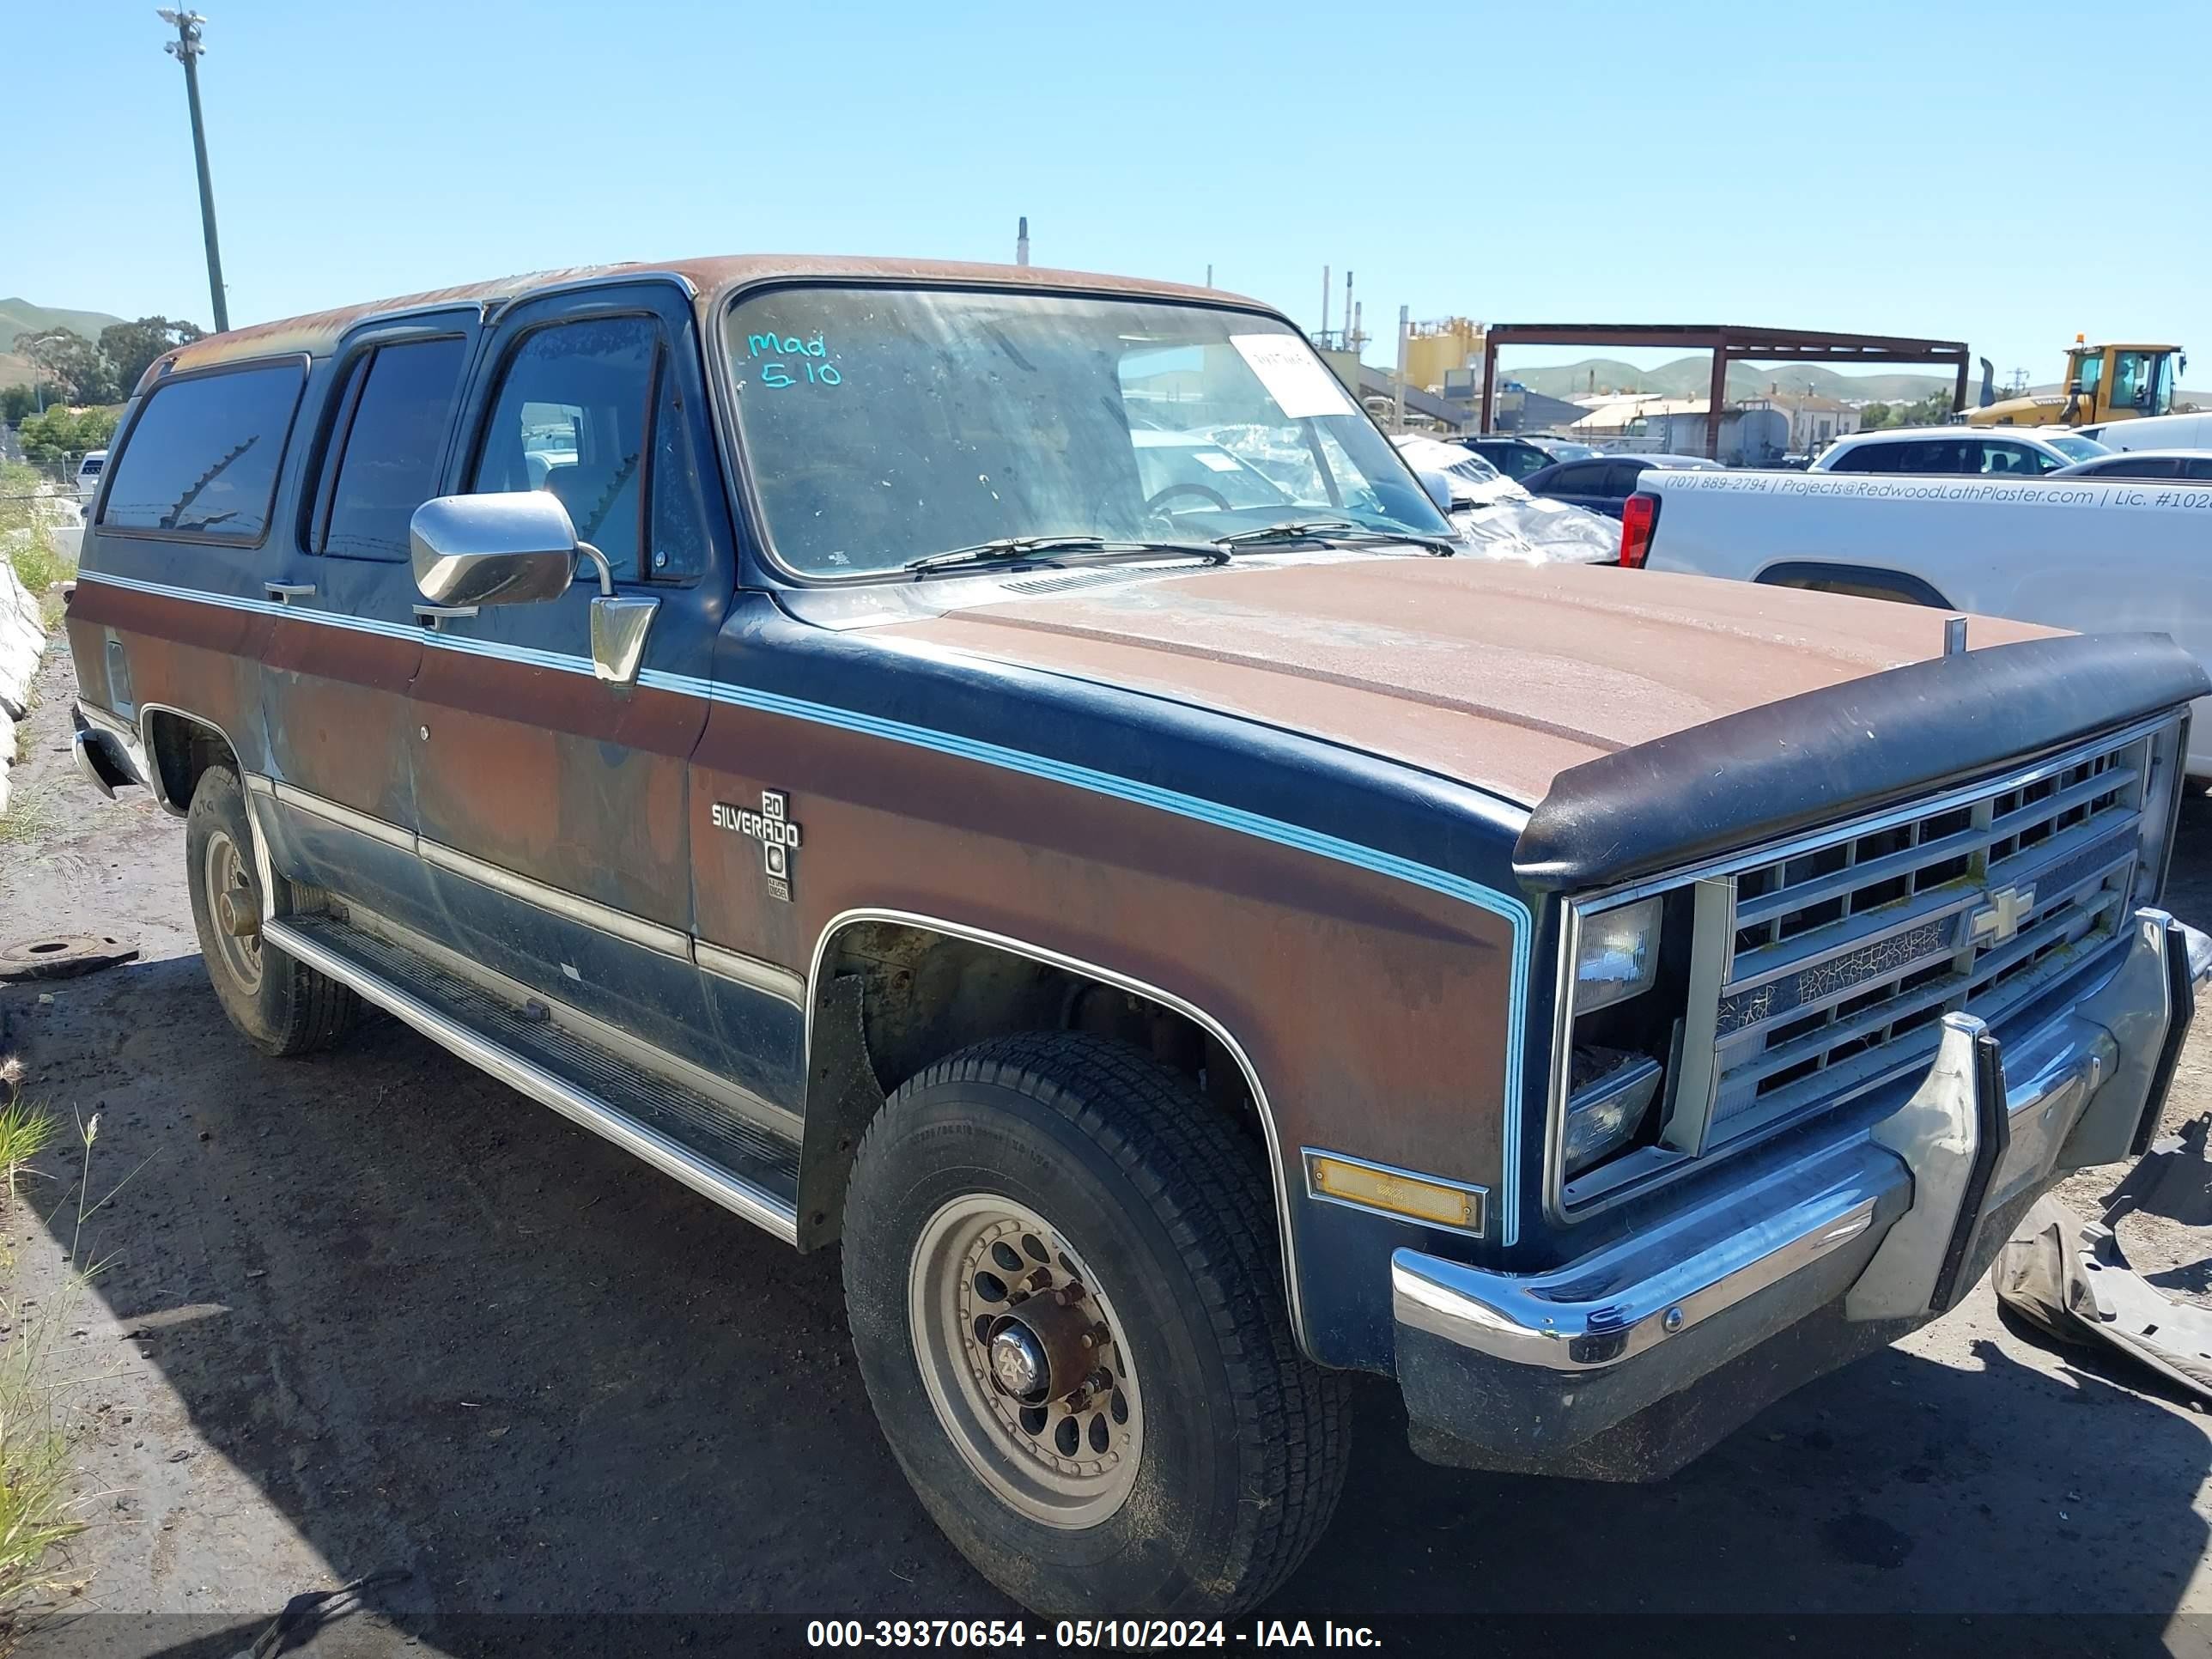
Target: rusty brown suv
{"type": "Point", "coordinates": [1007, 770]}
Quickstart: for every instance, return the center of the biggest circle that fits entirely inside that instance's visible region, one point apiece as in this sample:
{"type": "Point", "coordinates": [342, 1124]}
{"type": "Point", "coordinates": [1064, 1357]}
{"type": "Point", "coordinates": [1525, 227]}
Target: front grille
{"type": "Point", "coordinates": [1847, 953]}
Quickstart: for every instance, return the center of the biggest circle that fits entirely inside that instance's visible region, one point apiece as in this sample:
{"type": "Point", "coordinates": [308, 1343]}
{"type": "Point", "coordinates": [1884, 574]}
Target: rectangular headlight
{"type": "Point", "coordinates": [1617, 954]}
{"type": "Point", "coordinates": [1604, 1114]}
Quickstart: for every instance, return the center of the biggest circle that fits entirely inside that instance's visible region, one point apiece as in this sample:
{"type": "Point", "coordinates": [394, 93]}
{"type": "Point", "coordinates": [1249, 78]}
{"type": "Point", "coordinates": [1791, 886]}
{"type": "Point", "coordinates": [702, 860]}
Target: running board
{"type": "Point", "coordinates": [739, 1165]}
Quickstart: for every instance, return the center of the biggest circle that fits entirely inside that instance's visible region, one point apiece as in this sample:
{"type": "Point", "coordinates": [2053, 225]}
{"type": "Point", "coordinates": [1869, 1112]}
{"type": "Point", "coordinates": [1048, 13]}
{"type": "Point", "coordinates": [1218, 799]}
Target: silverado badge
{"type": "Point", "coordinates": [772, 827]}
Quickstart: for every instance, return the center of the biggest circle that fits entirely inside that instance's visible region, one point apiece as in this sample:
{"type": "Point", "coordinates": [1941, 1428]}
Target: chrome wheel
{"type": "Point", "coordinates": [235, 908]}
{"type": "Point", "coordinates": [1024, 1361]}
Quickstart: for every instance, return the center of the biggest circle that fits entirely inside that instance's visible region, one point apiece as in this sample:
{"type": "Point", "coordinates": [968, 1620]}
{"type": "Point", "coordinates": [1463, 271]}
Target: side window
{"type": "Point", "coordinates": [1867, 457]}
{"type": "Point", "coordinates": [1621, 478]}
{"type": "Point", "coordinates": [2199, 468]}
{"type": "Point", "coordinates": [1932, 455]}
{"type": "Point", "coordinates": [677, 551]}
{"type": "Point", "coordinates": [387, 465]}
{"type": "Point", "coordinates": [570, 418]}
{"type": "Point", "coordinates": [203, 456]}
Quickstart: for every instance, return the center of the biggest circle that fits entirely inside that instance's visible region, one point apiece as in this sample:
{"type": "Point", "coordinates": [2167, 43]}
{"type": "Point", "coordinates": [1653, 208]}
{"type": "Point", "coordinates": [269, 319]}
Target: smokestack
{"type": "Point", "coordinates": [1349, 345]}
{"type": "Point", "coordinates": [1358, 325]}
{"type": "Point", "coordinates": [1022, 241]}
{"type": "Point", "coordinates": [1405, 328]}
{"type": "Point", "coordinates": [1209, 275]}
{"type": "Point", "coordinates": [1324, 299]}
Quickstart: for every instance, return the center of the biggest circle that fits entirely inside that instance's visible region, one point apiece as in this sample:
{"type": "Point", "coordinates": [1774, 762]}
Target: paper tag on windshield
{"type": "Point", "coordinates": [1299, 382]}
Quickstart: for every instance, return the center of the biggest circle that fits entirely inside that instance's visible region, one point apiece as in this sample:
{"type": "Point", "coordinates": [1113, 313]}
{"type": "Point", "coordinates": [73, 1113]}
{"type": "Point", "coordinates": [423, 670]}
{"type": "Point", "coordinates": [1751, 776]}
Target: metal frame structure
{"type": "Point", "coordinates": [1729, 343]}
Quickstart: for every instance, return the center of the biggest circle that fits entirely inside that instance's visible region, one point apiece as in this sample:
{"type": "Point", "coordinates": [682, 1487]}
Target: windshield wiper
{"type": "Point", "coordinates": [1334, 530]}
{"type": "Point", "coordinates": [1017, 549]}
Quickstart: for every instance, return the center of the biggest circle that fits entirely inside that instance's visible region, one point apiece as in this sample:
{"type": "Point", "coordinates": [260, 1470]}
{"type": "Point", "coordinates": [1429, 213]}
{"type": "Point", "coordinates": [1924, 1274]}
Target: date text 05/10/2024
{"type": "Point", "coordinates": [1085, 1634]}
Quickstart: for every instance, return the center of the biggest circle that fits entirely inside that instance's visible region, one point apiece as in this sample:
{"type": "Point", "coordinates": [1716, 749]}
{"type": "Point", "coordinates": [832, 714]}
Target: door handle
{"type": "Point", "coordinates": [435, 617]}
{"type": "Point", "coordinates": [285, 592]}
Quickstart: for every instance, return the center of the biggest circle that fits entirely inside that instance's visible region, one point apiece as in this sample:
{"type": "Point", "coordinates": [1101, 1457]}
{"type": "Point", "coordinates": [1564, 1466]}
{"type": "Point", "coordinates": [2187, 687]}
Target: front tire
{"type": "Point", "coordinates": [281, 1005]}
{"type": "Point", "coordinates": [1057, 1209]}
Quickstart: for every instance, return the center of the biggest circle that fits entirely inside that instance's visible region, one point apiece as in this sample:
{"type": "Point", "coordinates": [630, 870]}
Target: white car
{"type": "Point", "coordinates": [2102, 557]}
{"type": "Point", "coordinates": [1475, 483]}
{"type": "Point", "coordinates": [2005, 452]}
{"type": "Point", "coordinates": [1499, 520]}
{"type": "Point", "coordinates": [2190, 431]}
{"type": "Point", "coordinates": [2187, 465]}
{"type": "Point", "coordinates": [88, 473]}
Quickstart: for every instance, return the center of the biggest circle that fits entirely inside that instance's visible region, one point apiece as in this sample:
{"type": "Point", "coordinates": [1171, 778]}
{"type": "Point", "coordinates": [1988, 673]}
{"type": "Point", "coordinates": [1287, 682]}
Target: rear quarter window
{"type": "Point", "coordinates": [393, 446]}
{"type": "Point", "coordinates": [203, 453]}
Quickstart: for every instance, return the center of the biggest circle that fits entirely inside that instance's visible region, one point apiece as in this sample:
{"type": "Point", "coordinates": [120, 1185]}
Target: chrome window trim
{"type": "Point", "coordinates": [1554, 1207]}
{"type": "Point", "coordinates": [1052, 958]}
{"type": "Point", "coordinates": [1480, 1193]}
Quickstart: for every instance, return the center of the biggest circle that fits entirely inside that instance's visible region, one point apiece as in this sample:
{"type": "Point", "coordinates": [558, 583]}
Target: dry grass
{"type": "Point", "coordinates": [39, 1507]}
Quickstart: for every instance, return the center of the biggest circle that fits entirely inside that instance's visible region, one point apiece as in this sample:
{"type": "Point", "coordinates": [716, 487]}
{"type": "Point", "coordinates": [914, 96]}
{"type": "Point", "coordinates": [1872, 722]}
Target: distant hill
{"type": "Point", "coordinates": [19, 317]}
{"type": "Point", "coordinates": [1690, 377]}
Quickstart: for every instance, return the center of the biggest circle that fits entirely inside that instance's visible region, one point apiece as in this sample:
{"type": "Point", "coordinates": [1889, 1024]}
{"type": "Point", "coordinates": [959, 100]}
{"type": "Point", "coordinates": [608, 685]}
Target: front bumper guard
{"type": "Point", "coordinates": [1887, 1229]}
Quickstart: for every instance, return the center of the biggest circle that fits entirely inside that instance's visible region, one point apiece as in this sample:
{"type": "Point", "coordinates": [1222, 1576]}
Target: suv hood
{"type": "Point", "coordinates": [1498, 676]}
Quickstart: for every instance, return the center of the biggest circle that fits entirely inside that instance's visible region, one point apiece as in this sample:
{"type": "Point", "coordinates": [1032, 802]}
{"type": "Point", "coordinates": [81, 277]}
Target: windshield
{"type": "Point", "coordinates": [881, 425]}
{"type": "Point", "coordinates": [2079, 448]}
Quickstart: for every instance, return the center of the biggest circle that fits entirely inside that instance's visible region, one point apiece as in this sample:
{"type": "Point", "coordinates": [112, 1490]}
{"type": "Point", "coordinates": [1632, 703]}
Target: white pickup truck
{"type": "Point", "coordinates": [2119, 557]}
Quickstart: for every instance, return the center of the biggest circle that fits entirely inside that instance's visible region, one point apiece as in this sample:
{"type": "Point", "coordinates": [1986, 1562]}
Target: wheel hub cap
{"type": "Point", "coordinates": [1019, 1364]}
{"type": "Point", "coordinates": [1024, 1360]}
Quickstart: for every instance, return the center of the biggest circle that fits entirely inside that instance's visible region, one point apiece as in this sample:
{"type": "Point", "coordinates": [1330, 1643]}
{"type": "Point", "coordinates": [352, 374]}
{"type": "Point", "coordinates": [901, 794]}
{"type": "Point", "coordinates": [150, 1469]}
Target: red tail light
{"type": "Point", "coordinates": [1639, 515]}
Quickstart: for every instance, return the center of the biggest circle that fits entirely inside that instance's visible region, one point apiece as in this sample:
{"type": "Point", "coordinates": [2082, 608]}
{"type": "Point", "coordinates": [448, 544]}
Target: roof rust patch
{"type": "Point", "coordinates": [711, 279]}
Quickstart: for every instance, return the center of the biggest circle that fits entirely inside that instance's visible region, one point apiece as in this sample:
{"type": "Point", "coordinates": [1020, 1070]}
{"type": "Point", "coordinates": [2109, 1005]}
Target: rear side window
{"type": "Point", "coordinates": [389, 464]}
{"type": "Point", "coordinates": [1933, 455]}
{"type": "Point", "coordinates": [204, 455]}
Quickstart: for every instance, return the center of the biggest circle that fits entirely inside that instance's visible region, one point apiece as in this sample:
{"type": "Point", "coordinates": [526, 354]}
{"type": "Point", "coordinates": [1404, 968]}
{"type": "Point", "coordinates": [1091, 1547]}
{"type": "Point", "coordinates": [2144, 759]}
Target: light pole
{"type": "Point", "coordinates": [187, 49]}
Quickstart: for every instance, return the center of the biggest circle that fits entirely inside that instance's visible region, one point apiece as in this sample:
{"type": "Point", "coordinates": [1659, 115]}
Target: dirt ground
{"type": "Point", "coordinates": [373, 1311]}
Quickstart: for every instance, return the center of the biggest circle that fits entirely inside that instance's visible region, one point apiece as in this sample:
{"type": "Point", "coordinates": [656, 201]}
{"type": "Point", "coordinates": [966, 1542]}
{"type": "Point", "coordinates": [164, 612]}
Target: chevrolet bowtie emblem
{"type": "Point", "coordinates": [1999, 919]}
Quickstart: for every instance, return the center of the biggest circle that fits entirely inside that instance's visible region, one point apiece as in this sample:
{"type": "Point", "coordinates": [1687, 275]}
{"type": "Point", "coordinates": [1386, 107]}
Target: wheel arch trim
{"type": "Point", "coordinates": [1277, 1180]}
{"type": "Point", "coordinates": [155, 780]}
{"type": "Point", "coordinates": [1917, 590]}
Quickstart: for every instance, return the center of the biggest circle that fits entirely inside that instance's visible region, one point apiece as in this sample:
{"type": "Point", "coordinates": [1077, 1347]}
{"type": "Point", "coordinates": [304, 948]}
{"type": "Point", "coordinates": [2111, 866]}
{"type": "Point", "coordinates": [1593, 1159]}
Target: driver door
{"type": "Point", "coordinates": [554, 805]}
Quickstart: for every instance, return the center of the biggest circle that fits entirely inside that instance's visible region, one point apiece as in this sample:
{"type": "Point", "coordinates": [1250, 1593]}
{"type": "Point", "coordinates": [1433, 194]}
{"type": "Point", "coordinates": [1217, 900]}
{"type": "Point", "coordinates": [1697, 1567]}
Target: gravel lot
{"type": "Point", "coordinates": [372, 1310]}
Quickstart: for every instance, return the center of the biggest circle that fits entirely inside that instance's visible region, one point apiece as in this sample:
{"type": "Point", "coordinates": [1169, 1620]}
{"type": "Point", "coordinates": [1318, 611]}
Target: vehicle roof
{"type": "Point", "coordinates": [2147, 455]}
{"type": "Point", "coordinates": [2116, 462]}
{"type": "Point", "coordinates": [1910, 434]}
{"type": "Point", "coordinates": [710, 279]}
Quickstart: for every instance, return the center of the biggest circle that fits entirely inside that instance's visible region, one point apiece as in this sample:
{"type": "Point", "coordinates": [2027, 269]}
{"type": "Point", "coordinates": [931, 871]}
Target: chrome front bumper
{"type": "Point", "coordinates": [1863, 1237]}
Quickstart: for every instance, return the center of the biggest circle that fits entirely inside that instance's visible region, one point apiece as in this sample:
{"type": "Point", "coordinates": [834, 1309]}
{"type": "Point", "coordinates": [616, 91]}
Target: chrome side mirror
{"type": "Point", "coordinates": [515, 547]}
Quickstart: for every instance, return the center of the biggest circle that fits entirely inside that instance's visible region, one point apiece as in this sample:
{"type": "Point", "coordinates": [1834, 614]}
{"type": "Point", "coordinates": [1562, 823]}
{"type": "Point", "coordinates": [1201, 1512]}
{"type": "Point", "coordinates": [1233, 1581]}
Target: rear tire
{"type": "Point", "coordinates": [1201, 1457]}
{"type": "Point", "coordinates": [280, 1006]}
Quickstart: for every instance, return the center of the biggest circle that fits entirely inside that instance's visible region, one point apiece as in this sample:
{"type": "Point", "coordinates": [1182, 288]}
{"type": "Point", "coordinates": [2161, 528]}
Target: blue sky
{"type": "Point", "coordinates": [2004, 173]}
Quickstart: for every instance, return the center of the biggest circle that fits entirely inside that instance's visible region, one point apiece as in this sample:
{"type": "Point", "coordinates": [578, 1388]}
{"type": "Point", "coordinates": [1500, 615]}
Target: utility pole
{"type": "Point", "coordinates": [187, 49]}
